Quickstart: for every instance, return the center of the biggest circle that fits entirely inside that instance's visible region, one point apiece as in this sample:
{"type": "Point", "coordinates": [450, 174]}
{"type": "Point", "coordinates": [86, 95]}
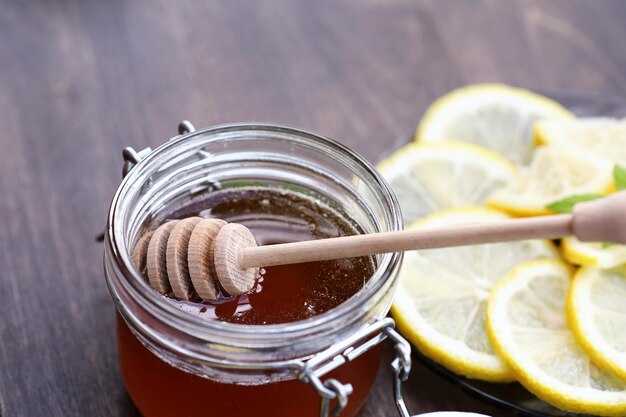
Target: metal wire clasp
{"type": "Point", "coordinates": [348, 350]}
{"type": "Point", "coordinates": [132, 157]}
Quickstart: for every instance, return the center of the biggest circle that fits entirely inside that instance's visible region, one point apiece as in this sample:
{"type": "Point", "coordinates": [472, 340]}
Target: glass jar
{"type": "Point", "coordinates": [176, 363]}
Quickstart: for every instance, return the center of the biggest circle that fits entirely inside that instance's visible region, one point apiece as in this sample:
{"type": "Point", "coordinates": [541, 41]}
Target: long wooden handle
{"type": "Point", "coordinates": [374, 243]}
{"type": "Point", "coordinates": [602, 220]}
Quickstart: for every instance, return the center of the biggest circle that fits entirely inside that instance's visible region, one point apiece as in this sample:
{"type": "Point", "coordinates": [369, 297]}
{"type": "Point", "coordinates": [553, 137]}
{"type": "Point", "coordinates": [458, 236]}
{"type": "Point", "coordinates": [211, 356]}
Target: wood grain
{"type": "Point", "coordinates": [200, 258]}
{"type": "Point", "coordinates": [541, 227]}
{"type": "Point", "coordinates": [79, 80]}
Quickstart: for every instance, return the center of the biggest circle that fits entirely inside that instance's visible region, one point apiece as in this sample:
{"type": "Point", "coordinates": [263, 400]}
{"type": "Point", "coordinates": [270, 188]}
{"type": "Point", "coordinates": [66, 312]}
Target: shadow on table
{"type": "Point", "coordinates": [126, 404]}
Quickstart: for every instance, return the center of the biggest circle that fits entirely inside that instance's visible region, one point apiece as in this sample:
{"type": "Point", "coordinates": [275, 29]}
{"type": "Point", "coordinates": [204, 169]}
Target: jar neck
{"type": "Point", "coordinates": [203, 161]}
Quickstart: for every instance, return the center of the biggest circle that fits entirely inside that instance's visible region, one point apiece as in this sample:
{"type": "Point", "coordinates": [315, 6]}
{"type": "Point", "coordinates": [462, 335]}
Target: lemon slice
{"type": "Point", "coordinates": [527, 325]}
{"type": "Point", "coordinates": [593, 254]}
{"type": "Point", "coordinates": [597, 313]}
{"type": "Point", "coordinates": [554, 174]}
{"type": "Point", "coordinates": [441, 300]}
{"type": "Point", "coordinates": [430, 177]}
{"type": "Point", "coordinates": [601, 137]}
{"type": "Point", "coordinates": [495, 116]}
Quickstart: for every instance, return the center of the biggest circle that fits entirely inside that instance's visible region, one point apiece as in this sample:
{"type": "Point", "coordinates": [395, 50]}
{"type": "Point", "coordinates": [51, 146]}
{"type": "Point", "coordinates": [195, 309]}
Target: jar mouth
{"type": "Point", "coordinates": [118, 241]}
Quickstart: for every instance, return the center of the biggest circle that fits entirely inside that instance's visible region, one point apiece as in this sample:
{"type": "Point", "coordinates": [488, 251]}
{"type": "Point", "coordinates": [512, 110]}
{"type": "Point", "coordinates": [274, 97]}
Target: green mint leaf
{"type": "Point", "coordinates": [619, 175]}
{"type": "Point", "coordinates": [567, 204]}
{"type": "Point", "coordinates": [607, 245]}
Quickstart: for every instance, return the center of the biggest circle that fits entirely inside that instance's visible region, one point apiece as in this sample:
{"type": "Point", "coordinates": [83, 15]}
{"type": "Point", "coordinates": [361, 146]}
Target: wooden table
{"type": "Point", "coordinates": [79, 80]}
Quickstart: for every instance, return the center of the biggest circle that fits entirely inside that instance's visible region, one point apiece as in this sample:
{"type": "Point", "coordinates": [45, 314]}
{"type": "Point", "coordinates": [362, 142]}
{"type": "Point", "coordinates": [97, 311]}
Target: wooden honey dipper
{"type": "Point", "coordinates": [196, 253]}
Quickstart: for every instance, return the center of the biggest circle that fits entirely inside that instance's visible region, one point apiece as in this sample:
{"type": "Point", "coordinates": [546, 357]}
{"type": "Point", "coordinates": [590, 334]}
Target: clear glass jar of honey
{"type": "Point", "coordinates": [305, 342]}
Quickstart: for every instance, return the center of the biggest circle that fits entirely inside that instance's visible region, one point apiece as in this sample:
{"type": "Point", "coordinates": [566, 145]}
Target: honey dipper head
{"type": "Point", "coordinates": [191, 256]}
{"type": "Point", "coordinates": [227, 250]}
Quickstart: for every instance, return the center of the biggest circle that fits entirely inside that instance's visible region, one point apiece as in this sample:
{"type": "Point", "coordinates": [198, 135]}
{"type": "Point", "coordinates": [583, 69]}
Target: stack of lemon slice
{"type": "Point", "coordinates": [528, 326]}
{"type": "Point", "coordinates": [442, 299]}
{"type": "Point", "coordinates": [512, 311]}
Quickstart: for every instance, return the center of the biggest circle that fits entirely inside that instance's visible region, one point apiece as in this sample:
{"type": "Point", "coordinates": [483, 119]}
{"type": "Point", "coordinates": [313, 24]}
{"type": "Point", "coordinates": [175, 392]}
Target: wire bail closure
{"type": "Point", "coordinates": [312, 370]}
{"type": "Point", "coordinates": [347, 351]}
{"type": "Point", "coordinates": [132, 157]}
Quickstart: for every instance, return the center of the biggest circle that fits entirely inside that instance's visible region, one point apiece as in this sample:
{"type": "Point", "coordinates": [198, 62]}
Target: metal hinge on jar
{"type": "Point", "coordinates": [132, 157]}
{"type": "Point", "coordinates": [348, 350]}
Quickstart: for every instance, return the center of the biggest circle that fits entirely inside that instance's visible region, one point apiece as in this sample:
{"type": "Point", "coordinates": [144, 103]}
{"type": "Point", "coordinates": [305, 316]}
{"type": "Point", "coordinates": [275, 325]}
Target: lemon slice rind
{"type": "Point", "coordinates": [593, 254]}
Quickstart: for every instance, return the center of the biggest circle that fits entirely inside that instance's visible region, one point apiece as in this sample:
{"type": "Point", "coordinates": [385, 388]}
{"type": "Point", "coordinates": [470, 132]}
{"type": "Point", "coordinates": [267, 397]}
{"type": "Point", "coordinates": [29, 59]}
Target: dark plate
{"type": "Point", "coordinates": [514, 397]}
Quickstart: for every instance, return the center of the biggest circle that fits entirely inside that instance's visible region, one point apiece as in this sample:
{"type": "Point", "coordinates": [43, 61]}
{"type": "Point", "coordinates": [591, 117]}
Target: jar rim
{"type": "Point", "coordinates": [153, 301]}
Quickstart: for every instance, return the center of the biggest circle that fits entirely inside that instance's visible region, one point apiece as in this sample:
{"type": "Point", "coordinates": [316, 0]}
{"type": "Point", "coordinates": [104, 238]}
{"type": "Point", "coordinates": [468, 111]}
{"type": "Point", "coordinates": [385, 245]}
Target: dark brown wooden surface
{"type": "Point", "coordinates": [79, 80]}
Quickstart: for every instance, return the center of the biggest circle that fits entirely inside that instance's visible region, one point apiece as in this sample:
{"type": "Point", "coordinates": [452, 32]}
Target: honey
{"type": "Point", "coordinates": [161, 390]}
{"type": "Point", "coordinates": [282, 294]}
